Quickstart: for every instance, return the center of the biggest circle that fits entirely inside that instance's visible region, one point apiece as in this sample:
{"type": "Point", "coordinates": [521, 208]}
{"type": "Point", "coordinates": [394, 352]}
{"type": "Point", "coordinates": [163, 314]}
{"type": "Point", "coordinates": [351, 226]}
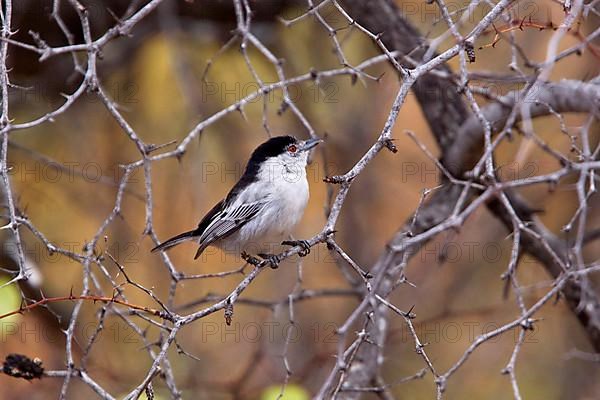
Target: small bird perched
{"type": "Point", "coordinates": [262, 208]}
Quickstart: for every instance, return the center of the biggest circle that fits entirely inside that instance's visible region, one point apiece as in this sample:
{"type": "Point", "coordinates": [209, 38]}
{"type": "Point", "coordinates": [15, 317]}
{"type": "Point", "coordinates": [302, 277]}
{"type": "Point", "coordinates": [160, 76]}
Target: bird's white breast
{"type": "Point", "coordinates": [284, 187]}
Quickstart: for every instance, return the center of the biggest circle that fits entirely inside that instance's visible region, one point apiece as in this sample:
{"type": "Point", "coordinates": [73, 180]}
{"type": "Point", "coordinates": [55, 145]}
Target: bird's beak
{"type": "Point", "coordinates": [310, 143]}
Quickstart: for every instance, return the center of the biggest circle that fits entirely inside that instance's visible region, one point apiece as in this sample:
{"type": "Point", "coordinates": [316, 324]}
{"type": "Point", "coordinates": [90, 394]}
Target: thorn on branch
{"type": "Point", "coordinates": [389, 144]}
{"type": "Point", "coordinates": [564, 162]}
{"type": "Point", "coordinates": [528, 324]}
{"type": "Point", "coordinates": [283, 108]}
{"type": "Point", "coordinates": [403, 279]}
{"type": "Point", "coordinates": [180, 153]}
{"type": "Point", "coordinates": [114, 16]}
{"type": "Point", "coordinates": [419, 347]}
{"type": "Point", "coordinates": [557, 298]}
{"type": "Point", "coordinates": [21, 366]}
{"type": "Point", "coordinates": [150, 148]}
{"type": "Point", "coordinates": [240, 109]}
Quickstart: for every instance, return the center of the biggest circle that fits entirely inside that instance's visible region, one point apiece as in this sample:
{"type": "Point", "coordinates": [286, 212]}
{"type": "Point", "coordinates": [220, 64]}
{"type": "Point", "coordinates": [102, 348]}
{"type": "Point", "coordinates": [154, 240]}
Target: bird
{"type": "Point", "coordinates": [262, 208]}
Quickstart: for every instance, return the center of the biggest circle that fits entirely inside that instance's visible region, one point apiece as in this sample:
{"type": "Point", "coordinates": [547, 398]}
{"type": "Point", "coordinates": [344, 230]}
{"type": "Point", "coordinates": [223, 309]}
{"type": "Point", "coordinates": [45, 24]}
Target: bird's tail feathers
{"type": "Point", "coordinates": [174, 241]}
{"type": "Point", "coordinates": [202, 247]}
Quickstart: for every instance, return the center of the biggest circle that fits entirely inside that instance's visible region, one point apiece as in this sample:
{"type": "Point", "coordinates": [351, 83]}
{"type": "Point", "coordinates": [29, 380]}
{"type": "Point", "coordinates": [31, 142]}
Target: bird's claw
{"type": "Point", "coordinates": [302, 243]}
{"type": "Point", "coordinates": [272, 259]}
{"type": "Point", "coordinates": [250, 259]}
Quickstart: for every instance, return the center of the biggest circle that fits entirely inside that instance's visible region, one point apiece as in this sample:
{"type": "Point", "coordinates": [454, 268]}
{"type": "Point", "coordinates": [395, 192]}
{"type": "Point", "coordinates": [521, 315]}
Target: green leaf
{"type": "Point", "coordinates": [11, 301]}
{"type": "Point", "coordinates": [291, 392]}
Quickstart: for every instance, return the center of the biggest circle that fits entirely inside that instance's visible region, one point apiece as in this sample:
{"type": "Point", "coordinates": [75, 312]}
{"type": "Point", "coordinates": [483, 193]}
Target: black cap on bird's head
{"type": "Point", "coordinates": [274, 147]}
{"type": "Point", "coordinates": [278, 145]}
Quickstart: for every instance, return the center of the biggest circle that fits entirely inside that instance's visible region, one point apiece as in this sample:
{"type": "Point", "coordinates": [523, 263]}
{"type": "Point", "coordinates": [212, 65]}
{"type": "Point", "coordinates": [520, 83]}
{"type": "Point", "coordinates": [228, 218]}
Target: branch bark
{"type": "Point", "coordinates": [563, 96]}
{"type": "Point", "coordinates": [459, 135]}
{"type": "Point", "coordinates": [444, 111]}
{"type": "Point", "coordinates": [438, 97]}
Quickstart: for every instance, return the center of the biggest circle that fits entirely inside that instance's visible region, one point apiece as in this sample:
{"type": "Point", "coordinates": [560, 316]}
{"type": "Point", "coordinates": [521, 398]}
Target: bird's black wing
{"type": "Point", "coordinates": [222, 221]}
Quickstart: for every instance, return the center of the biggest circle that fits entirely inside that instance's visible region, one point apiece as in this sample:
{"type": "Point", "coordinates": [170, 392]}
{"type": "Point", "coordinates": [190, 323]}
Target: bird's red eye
{"type": "Point", "coordinates": [292, 148]}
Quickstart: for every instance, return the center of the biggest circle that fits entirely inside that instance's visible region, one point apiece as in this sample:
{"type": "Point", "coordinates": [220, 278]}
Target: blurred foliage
{"type": "Point", "coordinates": [11, 300]}
{"type": "Point", "coordinates": [292, 392]}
